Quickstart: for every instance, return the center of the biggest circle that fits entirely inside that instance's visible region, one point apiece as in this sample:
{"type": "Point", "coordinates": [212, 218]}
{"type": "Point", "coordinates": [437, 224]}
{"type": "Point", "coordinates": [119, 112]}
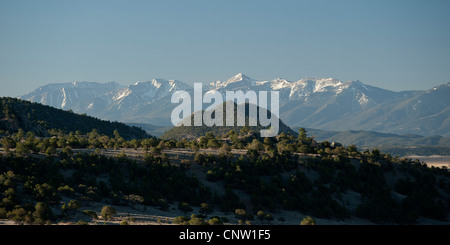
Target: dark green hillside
{"type": "Point", "coordinates": [192, 132]}
{"type": "Point", "coordinates": [45, 120]}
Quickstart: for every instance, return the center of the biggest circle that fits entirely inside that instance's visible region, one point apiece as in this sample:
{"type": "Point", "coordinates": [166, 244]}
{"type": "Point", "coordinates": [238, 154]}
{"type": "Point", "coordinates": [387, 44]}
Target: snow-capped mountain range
{"type": "Point", "coordinates": [322, 103]}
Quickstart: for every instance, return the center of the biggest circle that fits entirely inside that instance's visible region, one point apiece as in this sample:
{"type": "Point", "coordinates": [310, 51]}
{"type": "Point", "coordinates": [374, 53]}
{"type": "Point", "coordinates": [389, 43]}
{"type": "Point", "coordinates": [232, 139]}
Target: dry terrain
{"type": "Point", "coordinates": [149, 215]}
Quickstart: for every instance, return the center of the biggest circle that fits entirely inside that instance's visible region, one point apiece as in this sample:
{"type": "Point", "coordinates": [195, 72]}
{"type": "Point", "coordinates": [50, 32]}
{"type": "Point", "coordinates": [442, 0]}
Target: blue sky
{"type": "Point", "coordinates": [397, 45]}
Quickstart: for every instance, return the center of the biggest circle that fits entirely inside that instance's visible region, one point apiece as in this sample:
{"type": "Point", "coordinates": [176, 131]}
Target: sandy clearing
{"type": "Point", "coordinates": [433, 160]}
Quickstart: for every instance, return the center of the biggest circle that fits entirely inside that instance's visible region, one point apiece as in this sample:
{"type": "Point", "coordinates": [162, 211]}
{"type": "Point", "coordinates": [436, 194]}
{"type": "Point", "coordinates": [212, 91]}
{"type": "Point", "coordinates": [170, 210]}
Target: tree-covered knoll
{"type": "Point", "coordinates": [192, 132]}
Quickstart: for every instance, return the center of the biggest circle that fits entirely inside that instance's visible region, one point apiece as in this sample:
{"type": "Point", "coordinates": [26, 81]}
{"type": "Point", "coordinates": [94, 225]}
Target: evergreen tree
{"type": "Point", "coordinates": [43, 213]}
{"type": "Point", "coordinates": [108, 212]}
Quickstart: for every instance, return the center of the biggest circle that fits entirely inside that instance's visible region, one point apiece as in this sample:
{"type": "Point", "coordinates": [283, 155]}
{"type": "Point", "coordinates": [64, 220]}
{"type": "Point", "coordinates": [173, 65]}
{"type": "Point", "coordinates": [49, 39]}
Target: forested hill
{"type": "Point", "coordinates": [193, 132]}
{"type": "Point", "coordinates": [45, 120]}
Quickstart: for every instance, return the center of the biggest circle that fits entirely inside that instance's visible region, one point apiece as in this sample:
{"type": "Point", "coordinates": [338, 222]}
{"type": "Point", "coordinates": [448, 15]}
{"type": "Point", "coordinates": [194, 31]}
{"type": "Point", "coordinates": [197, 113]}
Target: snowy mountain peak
{"type": "Point", "coordinates": [237, 81]}
{"type": "Point", "coordinates": [238, 78]}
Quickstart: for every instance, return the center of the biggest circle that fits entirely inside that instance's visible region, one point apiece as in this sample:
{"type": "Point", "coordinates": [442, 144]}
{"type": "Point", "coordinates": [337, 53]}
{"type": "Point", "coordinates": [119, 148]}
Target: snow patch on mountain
{"type": "Point", "coordinates": [122, 94]}
{"type": "Point", "coordinates": [322, 84]}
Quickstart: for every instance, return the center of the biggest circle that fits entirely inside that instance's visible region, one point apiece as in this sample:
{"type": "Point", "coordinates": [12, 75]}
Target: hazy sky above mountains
{"type": "Point", "coordinates": [397, 45]}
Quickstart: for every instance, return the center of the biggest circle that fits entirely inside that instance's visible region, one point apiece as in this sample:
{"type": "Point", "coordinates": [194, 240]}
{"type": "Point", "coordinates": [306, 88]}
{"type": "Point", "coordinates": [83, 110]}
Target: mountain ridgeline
{"type": "Point", "coordinates": [321, 103]}
{"type": "Point", "coordinates": [44, 121]}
